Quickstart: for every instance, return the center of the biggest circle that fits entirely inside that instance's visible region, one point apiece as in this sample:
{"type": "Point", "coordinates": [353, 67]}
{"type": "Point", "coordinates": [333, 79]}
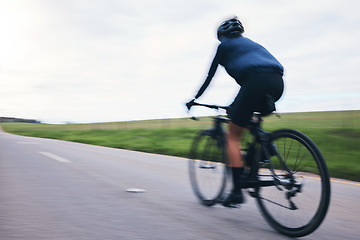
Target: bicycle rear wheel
{"type": "Point", "coordinates": [298, 203]}
{"type": "Point", "coordinates": [207, 168]}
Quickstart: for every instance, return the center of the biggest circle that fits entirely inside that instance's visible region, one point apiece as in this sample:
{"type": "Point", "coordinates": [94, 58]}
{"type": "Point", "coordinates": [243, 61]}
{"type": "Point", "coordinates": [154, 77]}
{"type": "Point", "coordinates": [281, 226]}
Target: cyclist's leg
{"type": "Point", "coordinates": [236, 162]}
{"type": "Point", "coordinates": [233, 148]}
{"type": "Point", "coordinates": [240, 115]}
{"type": "Point", "coordinates": [250, 98]}
{"type": "Point", "coordinates": [241, 111]}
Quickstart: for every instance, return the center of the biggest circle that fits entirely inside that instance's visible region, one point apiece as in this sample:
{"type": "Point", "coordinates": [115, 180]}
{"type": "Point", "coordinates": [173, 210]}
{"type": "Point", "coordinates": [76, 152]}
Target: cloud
{"type": "Point", "coordinates": [87, 61]}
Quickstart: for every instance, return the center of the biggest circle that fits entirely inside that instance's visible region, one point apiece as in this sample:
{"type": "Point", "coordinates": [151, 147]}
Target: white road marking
{"type": "Point", "coordinates": [135, 190]}
{"type": "Point", "coordinates": [55, 157]}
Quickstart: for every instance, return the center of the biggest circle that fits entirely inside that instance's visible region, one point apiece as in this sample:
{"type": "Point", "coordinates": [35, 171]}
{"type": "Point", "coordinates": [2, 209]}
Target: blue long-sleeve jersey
{"type": "Point", "coordinates": [240, 56]}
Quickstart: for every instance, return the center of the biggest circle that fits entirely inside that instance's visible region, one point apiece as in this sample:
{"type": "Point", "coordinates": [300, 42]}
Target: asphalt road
{"type": "Point", "coordinates": [52, 189]}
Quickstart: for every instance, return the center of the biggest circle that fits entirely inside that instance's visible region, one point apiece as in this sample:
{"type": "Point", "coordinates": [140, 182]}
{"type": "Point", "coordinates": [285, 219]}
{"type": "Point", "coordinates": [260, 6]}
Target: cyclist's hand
{"type": "Point", "coordinates": [190, 104]}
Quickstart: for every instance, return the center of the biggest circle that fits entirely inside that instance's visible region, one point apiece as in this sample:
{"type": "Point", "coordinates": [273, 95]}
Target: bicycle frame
{"type": "Point", "coordinates": [262, 139]}
{"type": "Point", "coordinates": [255, 156]}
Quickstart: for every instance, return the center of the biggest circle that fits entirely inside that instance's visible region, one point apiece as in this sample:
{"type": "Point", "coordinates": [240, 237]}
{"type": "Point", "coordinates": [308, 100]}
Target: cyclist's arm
{"type": "Point", "coordinates": [211, 74]}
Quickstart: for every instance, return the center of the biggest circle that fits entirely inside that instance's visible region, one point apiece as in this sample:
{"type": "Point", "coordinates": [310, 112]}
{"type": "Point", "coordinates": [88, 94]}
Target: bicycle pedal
{"type": "Point", "coordinates": [253, 194]}
{"type": "Point", "coordinates": [231, 205]}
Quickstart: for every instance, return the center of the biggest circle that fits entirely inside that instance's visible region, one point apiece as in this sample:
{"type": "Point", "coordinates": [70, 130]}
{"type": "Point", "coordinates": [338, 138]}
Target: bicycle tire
{"type": "Point", "coordinates": [207, 167]}
{"type": "Point", "coordinates": [311, 201]}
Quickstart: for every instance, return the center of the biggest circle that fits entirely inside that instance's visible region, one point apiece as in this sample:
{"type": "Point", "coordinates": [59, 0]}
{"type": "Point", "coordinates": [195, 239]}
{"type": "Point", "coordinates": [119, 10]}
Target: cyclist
{"type": "Point", "coordinates": [260, 76]}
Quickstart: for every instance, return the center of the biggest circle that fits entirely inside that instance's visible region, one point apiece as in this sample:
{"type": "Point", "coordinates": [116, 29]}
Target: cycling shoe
{"type": "Point", "coordinates": [233, 200]}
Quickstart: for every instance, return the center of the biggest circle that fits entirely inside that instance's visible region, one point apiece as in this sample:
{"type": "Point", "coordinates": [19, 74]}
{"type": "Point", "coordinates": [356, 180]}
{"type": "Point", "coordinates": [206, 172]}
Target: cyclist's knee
{"type": "Point", "coordinates": [235, 132]}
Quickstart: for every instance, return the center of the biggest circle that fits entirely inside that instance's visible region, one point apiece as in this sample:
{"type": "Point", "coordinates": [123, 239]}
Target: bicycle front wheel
{"type": "Point", "coordinates": [208, 168]}
{"type": "Point", "coordinates": [298, 202]}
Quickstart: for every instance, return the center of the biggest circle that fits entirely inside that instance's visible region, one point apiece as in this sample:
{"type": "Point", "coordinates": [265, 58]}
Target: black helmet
{"type": "Point", "coordinates": [230, 28]}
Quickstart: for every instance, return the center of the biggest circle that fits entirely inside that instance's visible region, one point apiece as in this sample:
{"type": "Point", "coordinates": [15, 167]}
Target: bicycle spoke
{"type": "Point", "coordinates": [296, 208]}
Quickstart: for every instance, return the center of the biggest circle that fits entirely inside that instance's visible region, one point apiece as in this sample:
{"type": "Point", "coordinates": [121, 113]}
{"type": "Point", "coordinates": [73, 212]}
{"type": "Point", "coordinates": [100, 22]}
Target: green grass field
{"type": "Point", "coordinates": [337, 134]}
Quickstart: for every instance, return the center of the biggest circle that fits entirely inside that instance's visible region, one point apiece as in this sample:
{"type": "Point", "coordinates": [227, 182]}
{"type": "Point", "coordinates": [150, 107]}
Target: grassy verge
{"type": "Point", "coordinates": [337, 134]}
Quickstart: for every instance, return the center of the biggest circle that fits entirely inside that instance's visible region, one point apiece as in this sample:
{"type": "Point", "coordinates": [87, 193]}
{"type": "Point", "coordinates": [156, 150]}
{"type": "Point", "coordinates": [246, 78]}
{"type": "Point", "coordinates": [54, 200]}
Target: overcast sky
{"type": "Point", "coordinates": [115, 60]}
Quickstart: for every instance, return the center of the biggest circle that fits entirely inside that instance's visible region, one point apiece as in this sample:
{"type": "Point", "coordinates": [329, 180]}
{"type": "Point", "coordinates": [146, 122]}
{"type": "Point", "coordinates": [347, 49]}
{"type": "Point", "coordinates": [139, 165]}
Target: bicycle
{"type": "Point", "coordinates": [286, 174]}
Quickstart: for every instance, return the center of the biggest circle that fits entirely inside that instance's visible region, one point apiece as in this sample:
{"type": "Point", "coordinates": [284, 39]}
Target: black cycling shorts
{"type": "Point", "coordinates": [255, 88]}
